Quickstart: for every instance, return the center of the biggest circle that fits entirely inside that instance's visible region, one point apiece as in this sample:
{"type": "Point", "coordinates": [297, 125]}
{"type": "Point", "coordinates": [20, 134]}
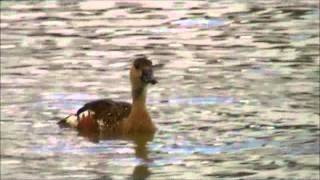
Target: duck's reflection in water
{"type": "Point", "coordinates": [141, 171]}
{"type": "Point", "coordinates": [141, 151]}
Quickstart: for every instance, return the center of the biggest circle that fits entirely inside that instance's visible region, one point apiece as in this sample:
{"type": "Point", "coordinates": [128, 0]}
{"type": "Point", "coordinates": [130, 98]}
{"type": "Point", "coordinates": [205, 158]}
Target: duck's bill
{"type": "Point", "coordinates": [147, 77]}
{"type": "Point", "coordinates": [149, 80]}
{"type": "Point", "coordinates": [153, 81]}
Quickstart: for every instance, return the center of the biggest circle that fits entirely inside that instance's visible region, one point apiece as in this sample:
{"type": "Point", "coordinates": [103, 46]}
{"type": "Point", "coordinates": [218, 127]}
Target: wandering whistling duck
{"type": "Point", "coordinates": [119, 118]}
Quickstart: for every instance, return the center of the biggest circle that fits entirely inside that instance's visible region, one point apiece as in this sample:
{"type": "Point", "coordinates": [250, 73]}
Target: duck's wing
{"type": "Point", "coordinates": [105, 111]}
{"type": "Point", "coordinates": [102, 114]}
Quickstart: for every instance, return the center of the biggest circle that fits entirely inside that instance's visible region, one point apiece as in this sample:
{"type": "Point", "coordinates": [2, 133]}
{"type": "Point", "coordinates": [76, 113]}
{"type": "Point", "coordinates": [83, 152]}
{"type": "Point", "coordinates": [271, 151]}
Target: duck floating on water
{"type": "Point", "coordinates": [115, 118]}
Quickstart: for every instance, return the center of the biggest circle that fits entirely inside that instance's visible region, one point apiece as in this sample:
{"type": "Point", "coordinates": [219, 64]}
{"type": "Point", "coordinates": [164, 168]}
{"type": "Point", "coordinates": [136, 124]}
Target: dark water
{"type": "Point", "coordinates": [237, 98]}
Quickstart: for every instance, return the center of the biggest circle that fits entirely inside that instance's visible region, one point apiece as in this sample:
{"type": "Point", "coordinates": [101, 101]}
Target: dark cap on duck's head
{"type": "Point", "coordinates": [141, 61]}
{"type": "Point", "coordinates": [143, 70]}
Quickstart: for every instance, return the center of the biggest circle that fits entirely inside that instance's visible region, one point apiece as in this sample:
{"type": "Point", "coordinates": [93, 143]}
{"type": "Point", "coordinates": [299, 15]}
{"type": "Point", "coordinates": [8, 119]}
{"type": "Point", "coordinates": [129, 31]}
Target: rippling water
{"type": "Point", "coordinates": [237, 98]}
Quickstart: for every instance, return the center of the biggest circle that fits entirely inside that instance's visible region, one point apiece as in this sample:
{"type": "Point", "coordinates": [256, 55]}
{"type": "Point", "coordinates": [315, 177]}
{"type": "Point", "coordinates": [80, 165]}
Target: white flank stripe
{"type": "Point", "coordinates": [72, 121]}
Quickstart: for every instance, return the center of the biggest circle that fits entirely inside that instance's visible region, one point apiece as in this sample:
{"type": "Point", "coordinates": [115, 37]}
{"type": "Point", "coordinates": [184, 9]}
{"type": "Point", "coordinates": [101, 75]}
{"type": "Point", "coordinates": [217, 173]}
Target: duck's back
{"type": "Point", "coordinates": [106, 109]}
{"type": "Point", "coordinates": [101, 115]}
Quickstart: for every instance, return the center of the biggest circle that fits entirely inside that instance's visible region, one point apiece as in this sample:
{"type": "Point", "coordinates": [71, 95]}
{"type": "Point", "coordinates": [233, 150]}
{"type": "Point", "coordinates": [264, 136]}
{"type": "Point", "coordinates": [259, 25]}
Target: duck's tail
{"type": "Point", "coordinates": [69, 121]}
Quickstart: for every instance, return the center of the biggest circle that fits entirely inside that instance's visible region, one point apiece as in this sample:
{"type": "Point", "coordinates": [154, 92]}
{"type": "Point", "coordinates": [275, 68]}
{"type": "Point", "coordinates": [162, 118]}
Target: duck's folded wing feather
{"type": "Point", "coordinates": [105, 110]}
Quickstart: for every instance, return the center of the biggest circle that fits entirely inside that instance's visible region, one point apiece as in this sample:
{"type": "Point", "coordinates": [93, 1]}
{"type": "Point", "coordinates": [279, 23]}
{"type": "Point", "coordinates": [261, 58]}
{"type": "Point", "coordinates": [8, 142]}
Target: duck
{"type": "Point", "coordinates": [117, 118]}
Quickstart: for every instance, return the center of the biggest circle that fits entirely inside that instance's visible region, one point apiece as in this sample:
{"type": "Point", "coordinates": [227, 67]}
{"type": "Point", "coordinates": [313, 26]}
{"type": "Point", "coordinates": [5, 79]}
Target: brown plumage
{"type": "Point", "coordinates": [118, 118]}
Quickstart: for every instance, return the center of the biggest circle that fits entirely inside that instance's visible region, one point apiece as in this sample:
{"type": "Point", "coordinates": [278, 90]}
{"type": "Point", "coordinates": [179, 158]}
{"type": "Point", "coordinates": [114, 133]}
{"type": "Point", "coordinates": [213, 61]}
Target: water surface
{"type": "Point", "coordinates": [237, 98]}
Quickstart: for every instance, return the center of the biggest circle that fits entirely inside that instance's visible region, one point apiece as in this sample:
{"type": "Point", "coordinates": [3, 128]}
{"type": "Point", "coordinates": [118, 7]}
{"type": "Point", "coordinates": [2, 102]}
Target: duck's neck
{"type": "Point", "coordinates": [139, 95]}
{"type": "Point", "coordinates": [139, 119]}
{"type": "Point", "coordinates": [139, 111]}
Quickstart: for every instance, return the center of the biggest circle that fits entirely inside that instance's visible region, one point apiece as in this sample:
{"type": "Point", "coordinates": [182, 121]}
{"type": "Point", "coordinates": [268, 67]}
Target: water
{"type": "Point", "coordinates": [237, 98]}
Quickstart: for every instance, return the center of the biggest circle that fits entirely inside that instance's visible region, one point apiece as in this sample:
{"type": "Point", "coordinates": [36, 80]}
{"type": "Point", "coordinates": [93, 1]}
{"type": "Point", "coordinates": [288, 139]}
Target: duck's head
{"type": "Point", "coordinates": [141, 73]}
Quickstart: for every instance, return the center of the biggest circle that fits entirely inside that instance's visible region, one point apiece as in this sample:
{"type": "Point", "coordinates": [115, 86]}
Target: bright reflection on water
{"type": "Point", "coordinates": [237, 98]}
